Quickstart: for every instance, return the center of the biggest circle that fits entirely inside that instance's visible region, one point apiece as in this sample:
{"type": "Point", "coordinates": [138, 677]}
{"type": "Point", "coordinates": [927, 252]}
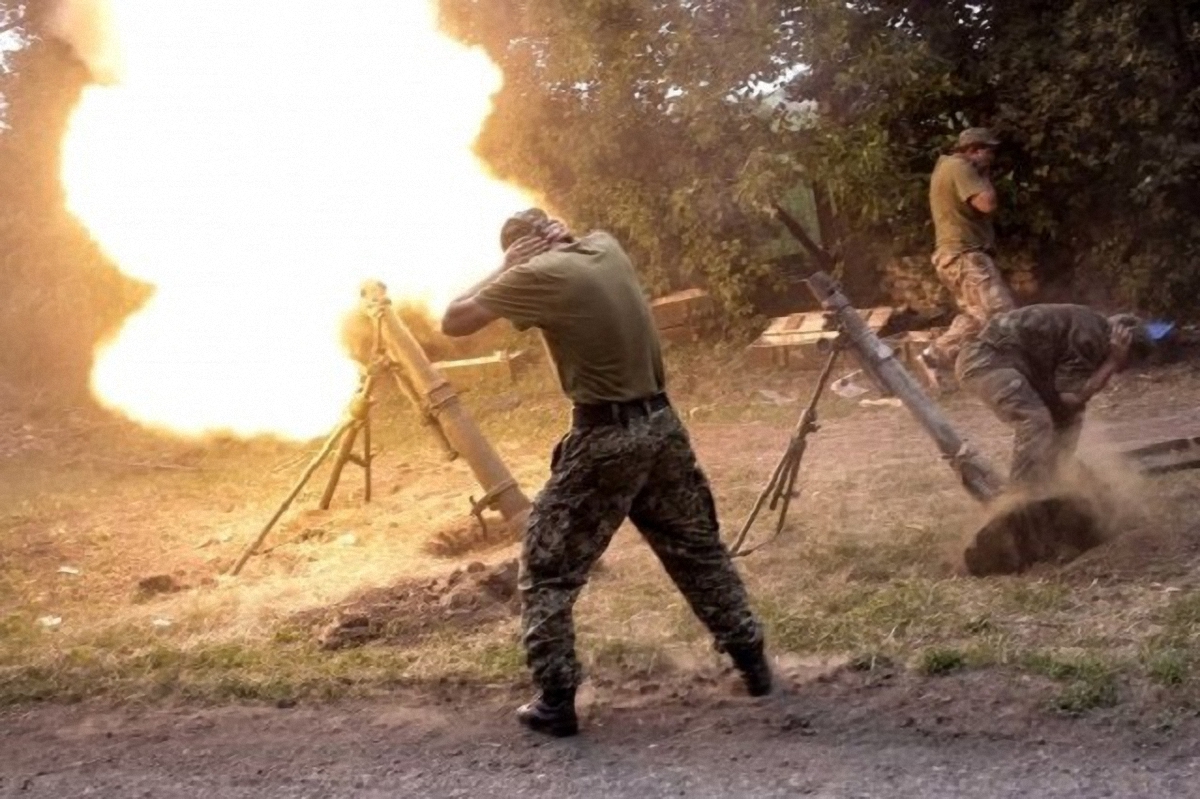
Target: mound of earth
{"type": "Point", "coordinates": [1053, 530]}
{"type": "Point", "coordinates": [466, 599]}
{"type": "Point", "coordinates": [456, 540]}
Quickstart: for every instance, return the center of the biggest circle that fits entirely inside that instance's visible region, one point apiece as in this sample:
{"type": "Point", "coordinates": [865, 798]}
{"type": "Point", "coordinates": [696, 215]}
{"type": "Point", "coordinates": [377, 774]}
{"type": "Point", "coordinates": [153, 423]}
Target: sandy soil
{"type": "Point", "coordinates": [840, 737]}
{"type": "Point", "coordinates": [117, 506]}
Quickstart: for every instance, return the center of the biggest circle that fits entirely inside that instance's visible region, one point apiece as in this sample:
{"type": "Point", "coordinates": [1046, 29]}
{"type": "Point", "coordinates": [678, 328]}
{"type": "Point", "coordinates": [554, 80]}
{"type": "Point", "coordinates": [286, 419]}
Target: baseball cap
{"type": "Point", "coordinates": [977, 137]}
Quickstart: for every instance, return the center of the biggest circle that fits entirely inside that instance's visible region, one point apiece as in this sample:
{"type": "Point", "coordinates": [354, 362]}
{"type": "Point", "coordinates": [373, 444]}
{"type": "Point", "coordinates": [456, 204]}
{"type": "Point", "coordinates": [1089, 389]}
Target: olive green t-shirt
{"type": "Point", "coordinates": [586, 300]}
{"type": "Point", "coordinates": [957, 226]}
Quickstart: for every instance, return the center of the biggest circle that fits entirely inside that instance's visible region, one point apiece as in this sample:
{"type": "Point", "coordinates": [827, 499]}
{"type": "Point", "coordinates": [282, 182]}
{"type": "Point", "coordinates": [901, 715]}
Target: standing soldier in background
{"type": "Point", "coordinates": [962, 201]}
{"type": "Point", "coordinates": [627, 455]}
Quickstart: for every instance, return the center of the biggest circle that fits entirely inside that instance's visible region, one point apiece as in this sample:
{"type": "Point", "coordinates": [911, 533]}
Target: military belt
{"type": "Point", "coordinates": [596, 414]}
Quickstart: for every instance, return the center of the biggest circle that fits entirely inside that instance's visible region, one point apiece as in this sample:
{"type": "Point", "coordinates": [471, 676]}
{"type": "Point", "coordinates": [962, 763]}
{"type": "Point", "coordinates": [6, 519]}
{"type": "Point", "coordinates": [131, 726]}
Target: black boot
{"type": "Point", "coordinates": [552, 712]}
{"type": "Point", "coordinates": [756, 671]}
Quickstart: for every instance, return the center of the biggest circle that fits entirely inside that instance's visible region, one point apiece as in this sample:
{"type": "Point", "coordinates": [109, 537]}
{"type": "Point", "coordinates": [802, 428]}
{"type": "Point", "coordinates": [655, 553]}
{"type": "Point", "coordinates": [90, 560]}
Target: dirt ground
{"type": "Point", "coordinates": [361, 654]}
{"type": "Point", "coordinates": [834, 737]}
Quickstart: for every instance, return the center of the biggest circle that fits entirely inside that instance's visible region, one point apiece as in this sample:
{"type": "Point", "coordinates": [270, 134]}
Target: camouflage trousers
{"type": "Point", "coordinates": [979, 292]}
{"type": "Point", "coordinates": [1042, 437]}
{"type": "Point", "coordinates": [642, 468]}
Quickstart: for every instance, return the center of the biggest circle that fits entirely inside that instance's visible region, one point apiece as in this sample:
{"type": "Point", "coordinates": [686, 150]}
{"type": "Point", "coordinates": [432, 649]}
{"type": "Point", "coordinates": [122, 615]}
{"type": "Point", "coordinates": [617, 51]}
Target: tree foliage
{"type": "Point", "coordinates": [662, 121]}
{"type": "Point", "coordinates": [639, 115]}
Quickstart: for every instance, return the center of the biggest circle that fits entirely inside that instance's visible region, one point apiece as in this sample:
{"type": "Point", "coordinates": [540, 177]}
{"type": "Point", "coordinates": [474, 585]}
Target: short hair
{"type": "Point", "coordinates": [521, 224]}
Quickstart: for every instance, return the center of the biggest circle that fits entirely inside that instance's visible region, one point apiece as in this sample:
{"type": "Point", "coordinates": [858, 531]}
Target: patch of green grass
{"type": "Point", "coordinates": [1058, 667]}
{"type": "Point", "coordinates": [1183, 615]}
{"type": "Point", "coordinates": [1035, 597]}
{"type": "Point", "coordinates": [16, 631]}
{"type": "Point", "coordinates": [628, 657]}
{"type": "Point", "coordinates": [501, 660]}
{"type": "Point", "coordinates": [1168, 657]}
{"type": "Point", "coordinates": [1090, 682]}
{"type": "Point", "coordinates": [939, 661]}
{"type": "Point", "coordinates": [862, 617]}
{"type": "Point", "coordinates": [257, 670]}
{"type": "Point", "coordinates": [903, 551]}
{"type": "Point", "coordinates": [1168, 667]}
{"type": "Point", "coordinates": [1082, 696]}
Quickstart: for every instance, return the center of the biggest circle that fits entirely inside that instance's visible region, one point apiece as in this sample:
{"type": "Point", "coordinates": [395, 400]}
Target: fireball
{"type": "Point", "coordinates": [255, 162]}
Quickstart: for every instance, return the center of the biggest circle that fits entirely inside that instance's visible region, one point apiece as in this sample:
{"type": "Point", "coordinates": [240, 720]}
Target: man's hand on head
{"type": "Point", "coordinates": [524, 249]}
{"type": "Point", "coordinates": [984, 202]}
{"type": "Point", "coordinates": [557, 231]}
{"type": "Point", "coordinates": [1121, 343]}
{"type": "Point", "coordinates": [1073, 403]}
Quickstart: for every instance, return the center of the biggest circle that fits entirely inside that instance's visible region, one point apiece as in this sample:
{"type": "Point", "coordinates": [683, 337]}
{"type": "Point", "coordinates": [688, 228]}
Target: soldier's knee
{"type": "Point", "coordinates": [1035, 423]}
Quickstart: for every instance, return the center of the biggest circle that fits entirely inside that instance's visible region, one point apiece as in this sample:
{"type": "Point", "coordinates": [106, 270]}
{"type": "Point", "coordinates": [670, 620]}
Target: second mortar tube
{"type": "Point", "coordinates": [501, 490]}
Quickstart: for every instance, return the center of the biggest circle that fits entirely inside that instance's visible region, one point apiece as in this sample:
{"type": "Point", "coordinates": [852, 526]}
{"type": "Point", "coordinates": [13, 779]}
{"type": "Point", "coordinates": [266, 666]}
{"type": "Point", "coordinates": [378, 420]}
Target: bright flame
{"type": "Point", "coordinates": [256, 162]}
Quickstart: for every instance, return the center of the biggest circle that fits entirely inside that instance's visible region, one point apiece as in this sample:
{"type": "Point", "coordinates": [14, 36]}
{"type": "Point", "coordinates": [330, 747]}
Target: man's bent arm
{"type": "Point", "coordinates": [466, 315]}
{"type": "Point", "coordinates": [984, 202]}
{"type": "Point", "coordinates": [1115, 362]}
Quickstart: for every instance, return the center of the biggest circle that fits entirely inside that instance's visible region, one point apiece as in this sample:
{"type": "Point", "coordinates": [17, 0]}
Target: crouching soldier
{"type": "Point", "coordinates": [627, 455]}
{"type": "Point", "coordinates": [1037, 367]}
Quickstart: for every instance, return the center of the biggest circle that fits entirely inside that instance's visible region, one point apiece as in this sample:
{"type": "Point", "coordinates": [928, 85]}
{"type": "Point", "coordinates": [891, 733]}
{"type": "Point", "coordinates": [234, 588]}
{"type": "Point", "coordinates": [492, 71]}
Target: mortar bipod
{"type": "Point", "coordinates": [781, 488]}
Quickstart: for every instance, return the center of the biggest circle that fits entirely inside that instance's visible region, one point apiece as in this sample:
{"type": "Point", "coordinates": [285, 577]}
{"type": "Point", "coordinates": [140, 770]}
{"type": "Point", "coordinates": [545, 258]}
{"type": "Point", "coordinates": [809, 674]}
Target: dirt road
{"type": "Point", "coordinates": [917, 740]}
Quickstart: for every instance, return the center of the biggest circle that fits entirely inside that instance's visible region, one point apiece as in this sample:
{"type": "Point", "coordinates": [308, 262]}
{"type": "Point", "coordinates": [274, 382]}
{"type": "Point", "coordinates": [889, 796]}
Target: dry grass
{"type": "Point", "coordinates": [866, 568]}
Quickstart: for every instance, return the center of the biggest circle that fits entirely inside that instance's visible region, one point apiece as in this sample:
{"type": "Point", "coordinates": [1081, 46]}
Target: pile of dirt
{"type": "Point", "coordinates": [465, 599]}
{"type": "Point", "coordinates": [1054, 530]}
{"type": "Point", "coordinates": [473, 535]}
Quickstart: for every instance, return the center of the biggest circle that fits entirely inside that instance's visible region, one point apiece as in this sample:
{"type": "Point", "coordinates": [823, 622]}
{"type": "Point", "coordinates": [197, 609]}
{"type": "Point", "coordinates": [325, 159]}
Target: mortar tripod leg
{"type": "Point", "coordinates": [312, 467]}
{"type": "Point", "coordinates": [345, 453]}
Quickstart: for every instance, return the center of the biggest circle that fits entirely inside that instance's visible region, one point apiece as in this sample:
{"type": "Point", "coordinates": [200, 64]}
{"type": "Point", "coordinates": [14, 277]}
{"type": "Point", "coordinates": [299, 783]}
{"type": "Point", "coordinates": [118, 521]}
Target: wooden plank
{"type": "Point", "coordinates": [681, 308]}
{"type": "Point", "coordinates": [793, 341]}
{"type": "Point", "coordinates": [1172, 455]}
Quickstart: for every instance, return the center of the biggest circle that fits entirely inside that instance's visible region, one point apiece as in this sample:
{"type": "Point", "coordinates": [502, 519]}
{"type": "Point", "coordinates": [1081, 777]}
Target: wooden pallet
{"type": "Point", "coordinates": [799, 341]}
{"type": "Point", "coordinates": [1162, 457]}
{"type": "Point", "coordinates": [680, 316]}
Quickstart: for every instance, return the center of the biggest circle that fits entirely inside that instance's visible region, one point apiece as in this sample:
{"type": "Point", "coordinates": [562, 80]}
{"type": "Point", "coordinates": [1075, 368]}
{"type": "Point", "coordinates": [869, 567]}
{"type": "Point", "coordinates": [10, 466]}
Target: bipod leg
{"type": "Point", "coordinates": [360, 413]}
{"type": "Point", "coordinates": [368, 456]}
{"type": "Point", "coordinates": [312, 467]}
{"type": "Point", "coordinates": [768, 492]}
{"type": "Point", "coordinates": [345, 453]}
{"type": "Point", "coordinates": [782, 485]}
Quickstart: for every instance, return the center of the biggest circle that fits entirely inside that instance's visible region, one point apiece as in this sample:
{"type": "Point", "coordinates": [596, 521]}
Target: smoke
{"type": "Point", "coordinates": [1095, 497]}
{"type": "Point", "coordinates": [256, 162]}
{"type": "Point", "coordinates": [86, 26]}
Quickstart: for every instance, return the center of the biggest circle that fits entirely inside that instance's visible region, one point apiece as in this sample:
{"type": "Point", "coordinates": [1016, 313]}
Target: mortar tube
{"type": "Point", "coordinates": [501, 489]}
{"type": "Point", "coordinates": [978, 477]}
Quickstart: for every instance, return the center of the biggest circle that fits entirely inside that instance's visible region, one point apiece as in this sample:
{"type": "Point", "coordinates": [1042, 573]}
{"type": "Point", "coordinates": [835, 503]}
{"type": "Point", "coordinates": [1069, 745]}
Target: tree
{"type": "Point", "coordinates": [636, 115]}
{"type": "Point", "coordinates": [640, 115]}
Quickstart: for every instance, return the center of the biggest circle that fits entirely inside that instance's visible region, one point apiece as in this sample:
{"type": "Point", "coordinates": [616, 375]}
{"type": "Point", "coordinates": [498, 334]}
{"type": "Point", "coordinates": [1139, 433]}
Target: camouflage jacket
{"type": "Point", "coordinates": [1056, 347]}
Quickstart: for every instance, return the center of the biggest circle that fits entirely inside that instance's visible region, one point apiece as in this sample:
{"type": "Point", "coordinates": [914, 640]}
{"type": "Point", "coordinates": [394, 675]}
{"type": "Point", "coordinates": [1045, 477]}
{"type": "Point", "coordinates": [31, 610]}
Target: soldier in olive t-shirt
{"type": "Point", "coordinates": [627, 455]}
{"type": "Point", "coordinates": [958, 226]}
{"type": "Point", "coordinates": [585, 298]}
{"type": "Point", "coordinates": [962, 201]}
